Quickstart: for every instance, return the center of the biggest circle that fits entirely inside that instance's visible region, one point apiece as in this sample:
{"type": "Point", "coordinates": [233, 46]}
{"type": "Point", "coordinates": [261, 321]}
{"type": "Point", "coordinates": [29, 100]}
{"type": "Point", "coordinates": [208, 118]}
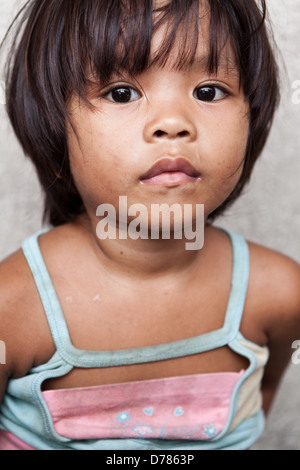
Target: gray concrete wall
{"type": "Point", "coordinates": [268, 213]}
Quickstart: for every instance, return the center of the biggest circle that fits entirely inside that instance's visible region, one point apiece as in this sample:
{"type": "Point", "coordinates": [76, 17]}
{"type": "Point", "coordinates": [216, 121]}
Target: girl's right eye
{"type": "Point", "coordinates": [122, 95]}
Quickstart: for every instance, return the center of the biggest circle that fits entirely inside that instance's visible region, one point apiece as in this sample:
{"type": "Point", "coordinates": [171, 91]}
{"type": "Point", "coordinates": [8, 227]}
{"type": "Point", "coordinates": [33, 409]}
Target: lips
{"type": "Point", "coordinates": [170, 171]}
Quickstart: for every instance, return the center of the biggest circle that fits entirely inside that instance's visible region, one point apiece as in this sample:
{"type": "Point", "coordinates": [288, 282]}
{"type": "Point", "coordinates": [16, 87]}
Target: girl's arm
{"type": "Point", "coordinates": [11, 320]}
{"type": "Point", "coordinates": [3, 381]}
{"type": "Point", "coordinates": [280, 359]}
{"type": "Point", "coordinates": [24, 329]}
{"type": "Point", "coordinates": [277, 283]}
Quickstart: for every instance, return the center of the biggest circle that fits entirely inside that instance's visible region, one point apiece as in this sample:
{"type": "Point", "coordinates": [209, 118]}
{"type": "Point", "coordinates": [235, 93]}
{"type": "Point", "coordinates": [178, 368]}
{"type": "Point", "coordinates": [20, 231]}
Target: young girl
{"type": "Point", "coordinates": [118, 343]}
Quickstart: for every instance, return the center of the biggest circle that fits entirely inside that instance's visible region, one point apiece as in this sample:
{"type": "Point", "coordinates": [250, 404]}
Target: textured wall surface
{"type": "Point", "coordinates": [268, 213]}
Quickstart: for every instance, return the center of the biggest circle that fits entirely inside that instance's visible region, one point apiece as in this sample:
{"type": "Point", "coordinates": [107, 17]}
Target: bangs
{"type": "Point", "coordinates": [72, 44]}
{"type": "Point", "coordinates": [101, 39]}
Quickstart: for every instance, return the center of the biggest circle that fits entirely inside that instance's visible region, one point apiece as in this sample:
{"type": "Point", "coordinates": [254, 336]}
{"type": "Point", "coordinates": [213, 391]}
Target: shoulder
{"type": "Point", "coordinates": [24, 328]}
{"type": "Point", "coordinates": [272, 307]}
{"type": "Point", "coordinates": [274, 285]}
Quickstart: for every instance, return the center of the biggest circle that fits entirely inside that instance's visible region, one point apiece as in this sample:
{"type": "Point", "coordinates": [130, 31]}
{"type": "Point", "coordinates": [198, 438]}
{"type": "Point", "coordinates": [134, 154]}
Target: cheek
{"type": "Point", "coordinates": [97, 166]}
{"type": "Point", "coordinates": [101, 142]}
{"type": "Point", "coordinates": [230, 145]}
{"type": "Point", "coordinates": [223, 157]}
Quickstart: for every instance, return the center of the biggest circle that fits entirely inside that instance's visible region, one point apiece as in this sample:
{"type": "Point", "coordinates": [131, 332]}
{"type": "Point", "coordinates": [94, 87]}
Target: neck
{"type": "Point", "coordinates": [142, 258]}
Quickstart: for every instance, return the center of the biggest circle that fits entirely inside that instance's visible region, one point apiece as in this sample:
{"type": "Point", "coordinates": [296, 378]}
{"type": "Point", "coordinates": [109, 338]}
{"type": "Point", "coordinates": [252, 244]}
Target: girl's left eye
{"type": "Point", "coordinates": [122, 95]}
{"type": "Point", "coordinates": [209, 93]}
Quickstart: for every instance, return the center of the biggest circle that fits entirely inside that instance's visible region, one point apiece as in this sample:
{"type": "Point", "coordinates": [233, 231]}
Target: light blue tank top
{"type": "Point", "coordinates": [24, 411]}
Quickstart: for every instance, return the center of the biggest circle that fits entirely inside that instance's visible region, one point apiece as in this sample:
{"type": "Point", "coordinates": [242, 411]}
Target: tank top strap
{"type": "Point", "coordinates": [45, 287]}
{"type": "Point", "coordinates": [239, 282]}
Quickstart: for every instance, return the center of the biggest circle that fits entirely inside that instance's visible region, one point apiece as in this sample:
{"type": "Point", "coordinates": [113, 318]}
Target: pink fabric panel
{"type": "Point", "coordinates": [190, 407]}
{"type": "Point", "coordinates": [10, 442]}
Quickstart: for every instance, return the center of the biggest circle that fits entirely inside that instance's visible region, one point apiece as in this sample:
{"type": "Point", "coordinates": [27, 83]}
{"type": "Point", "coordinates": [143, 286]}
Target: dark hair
{"type": "Point", "coordinates": [59, 44]}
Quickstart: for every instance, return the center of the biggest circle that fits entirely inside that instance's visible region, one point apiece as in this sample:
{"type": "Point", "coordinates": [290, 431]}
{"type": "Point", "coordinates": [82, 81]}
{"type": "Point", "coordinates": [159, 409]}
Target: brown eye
{"type": "Point", "coordinates": [209, 94]}
{"type": "Point", "coordinates": [123, 95]}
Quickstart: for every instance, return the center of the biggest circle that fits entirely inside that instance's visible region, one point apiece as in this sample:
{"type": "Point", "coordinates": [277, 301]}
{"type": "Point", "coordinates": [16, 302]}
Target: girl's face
{"type": "Point", "coordinates": [194, 125]}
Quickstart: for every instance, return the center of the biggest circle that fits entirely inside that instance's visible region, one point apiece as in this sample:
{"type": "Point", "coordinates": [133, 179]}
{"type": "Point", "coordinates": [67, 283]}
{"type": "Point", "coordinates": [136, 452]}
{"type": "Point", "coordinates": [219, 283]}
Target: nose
{"type": "Point", "coordinates": [170, 126]}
